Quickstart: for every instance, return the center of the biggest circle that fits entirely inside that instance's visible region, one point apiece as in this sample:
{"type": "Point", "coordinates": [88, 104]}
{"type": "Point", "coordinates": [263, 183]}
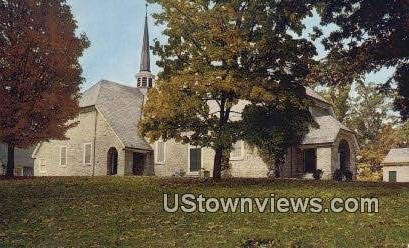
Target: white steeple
{"type": "Point", "coordinates": [144, 77]}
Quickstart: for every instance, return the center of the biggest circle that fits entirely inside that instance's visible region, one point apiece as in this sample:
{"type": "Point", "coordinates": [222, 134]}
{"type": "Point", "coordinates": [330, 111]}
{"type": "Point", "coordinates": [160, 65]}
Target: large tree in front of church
{"type": "Point", "coordinates": [218, 52]}
{"type": "Point", "coordinates": [40, 74]}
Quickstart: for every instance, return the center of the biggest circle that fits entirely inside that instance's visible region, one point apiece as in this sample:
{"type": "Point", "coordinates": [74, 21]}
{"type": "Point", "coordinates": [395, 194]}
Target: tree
{"type": "Point", "coordinates": [220, 52]}
{"type": "Point", "coordinates": [370, 112]}
{"type": "Point", "coordinates": [373, 152]}
{"type": "Point", "coordinates": [370, 35]}
{"type": "Point", "coordinates": [340, 99]}
{"type": "Point", "coordinates": [273, 129]}
{"type": "Point", "coordinates": [402, 135]}
{"type": "Point", "coordinates": [39, 72]}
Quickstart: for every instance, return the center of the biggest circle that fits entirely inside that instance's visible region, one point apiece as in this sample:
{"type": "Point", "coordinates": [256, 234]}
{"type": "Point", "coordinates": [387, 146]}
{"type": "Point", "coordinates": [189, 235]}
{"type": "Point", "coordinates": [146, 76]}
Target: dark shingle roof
{"type": "Point", "coordinates": [398, 155]}
{"type": "Point", "coordinates": [121, 106]}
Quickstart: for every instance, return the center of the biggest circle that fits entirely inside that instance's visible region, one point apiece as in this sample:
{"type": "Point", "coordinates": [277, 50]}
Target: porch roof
{"type": "Point", "coordinates": [328, 130]}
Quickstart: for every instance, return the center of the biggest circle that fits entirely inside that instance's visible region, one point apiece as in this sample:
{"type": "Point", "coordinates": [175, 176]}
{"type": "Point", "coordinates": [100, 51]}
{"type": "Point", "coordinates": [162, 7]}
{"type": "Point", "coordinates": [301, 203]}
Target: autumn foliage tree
{"type": "Point", "coordinates": [40, 74]}
{"type": "Point", "coordinates": [219, 53]}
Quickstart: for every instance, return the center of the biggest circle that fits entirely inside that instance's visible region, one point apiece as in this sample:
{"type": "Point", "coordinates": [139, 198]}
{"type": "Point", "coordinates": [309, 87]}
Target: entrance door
{"type": "Point", "coordinates": [310, 160]}
{"type": "Point", "coordinates": [344, 155]}
{"type": "Point", "coordinates": [138, 163]}
{"type": "Point", "coordinates": [112, 161]}
{"type": "Point", "coordinates": [195, 159]}
{"type": "Point", "coordinates": [392, 176]}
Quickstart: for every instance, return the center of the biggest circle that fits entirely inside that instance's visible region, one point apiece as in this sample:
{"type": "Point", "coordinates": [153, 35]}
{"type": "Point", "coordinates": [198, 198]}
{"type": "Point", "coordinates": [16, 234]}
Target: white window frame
{"type": "Point", "coordinates": [66, 156]}
{"type": "Point", "coordinates": [241, 157]}
{"type": "Point", "coordinates": [83, 155]}
{"type": "Point", "coordinates": [41, 162]}
{"type": "Point", "coordinates": [194, 173]}
{"type": "Point", "coordinates": [164, 152]}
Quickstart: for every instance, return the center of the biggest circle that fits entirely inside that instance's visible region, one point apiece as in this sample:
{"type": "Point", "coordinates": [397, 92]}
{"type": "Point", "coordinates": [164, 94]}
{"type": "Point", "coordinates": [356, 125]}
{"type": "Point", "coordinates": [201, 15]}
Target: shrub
{"type": "Point", "coordinates": [317, 174]}
{"type": "Point", "coordinates": [179, 173]}
{"type": "Point", "coordinates": [348, 175]}
{"type": "Point", "coordinates": [204, 173]}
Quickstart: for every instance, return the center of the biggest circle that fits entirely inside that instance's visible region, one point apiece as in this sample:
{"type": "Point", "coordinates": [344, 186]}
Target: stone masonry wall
{"type": "Point", "coordinates": [83, 133]}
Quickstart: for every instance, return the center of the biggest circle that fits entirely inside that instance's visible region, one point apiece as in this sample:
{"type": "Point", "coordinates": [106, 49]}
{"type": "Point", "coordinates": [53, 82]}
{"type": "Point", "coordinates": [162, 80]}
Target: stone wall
{"type": "Point", "coordinates": [92, 128]}
{"type": "Point", "coordinates": [324, 161]}
{"type": "Point", "coordinates": [176, 159]}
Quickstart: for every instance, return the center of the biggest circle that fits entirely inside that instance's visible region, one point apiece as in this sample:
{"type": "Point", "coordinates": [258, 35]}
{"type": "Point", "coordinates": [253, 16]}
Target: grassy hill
{"type": "Point", "coordinates": [113, 211]}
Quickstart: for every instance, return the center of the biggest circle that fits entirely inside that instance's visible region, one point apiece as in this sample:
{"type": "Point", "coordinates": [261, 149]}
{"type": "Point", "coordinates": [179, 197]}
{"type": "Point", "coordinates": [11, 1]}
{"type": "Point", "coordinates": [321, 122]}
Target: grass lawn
{"type": "Point", "coordinates": [115, 211]}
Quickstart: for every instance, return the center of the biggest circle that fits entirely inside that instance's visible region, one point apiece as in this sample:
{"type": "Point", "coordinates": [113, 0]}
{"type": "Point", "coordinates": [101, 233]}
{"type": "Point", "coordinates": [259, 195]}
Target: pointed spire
{"type": "Point", "coordinates": [145, 56]}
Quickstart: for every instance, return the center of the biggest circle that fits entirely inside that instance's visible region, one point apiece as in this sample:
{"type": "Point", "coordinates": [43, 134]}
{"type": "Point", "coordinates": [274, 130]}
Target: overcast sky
{"type": "Point", "coordinates": [115, 29]}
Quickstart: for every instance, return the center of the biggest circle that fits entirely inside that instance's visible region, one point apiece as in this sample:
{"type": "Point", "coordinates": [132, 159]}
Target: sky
{"type": "Point", "coordinates": [115, 29]}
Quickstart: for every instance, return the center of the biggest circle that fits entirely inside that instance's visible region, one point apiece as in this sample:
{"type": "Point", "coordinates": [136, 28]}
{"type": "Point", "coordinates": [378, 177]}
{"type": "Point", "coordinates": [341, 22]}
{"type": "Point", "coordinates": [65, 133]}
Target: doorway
{"type": "Point", "coordinates": [138, 164]}
{"type": "Point", "coordinates": [392, 176]}
{"type": "Point", "coordinates": [344, 155]}
{"type": "Point", "coordinates": [310, 160]}
{"type": "Point", "coordinates": [112, 161]}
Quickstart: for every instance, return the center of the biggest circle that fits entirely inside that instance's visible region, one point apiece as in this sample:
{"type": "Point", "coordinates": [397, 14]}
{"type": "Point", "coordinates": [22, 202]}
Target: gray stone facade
{"type": "Point", "coordinates": [107, 123]}
{"type": "Point", "coordinates": [332, 147]}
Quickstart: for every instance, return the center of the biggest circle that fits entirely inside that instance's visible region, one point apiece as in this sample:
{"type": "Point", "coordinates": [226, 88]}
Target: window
{"type": "Point", "coordinates": [160, 152]}
{"type": "Point", "coordinates": [42, 166]}
{"type": "Point", "coordinates": [144, 82]}
{"type": "Point", "coordinates": [237, 151]}
{"type": "Point", "coordinates": [63, 156]}
{"type": "Point", "coordinates": [87, 154]}
{"type": "Point", "coordinates": [392, 176]}
{"type": "Point", "coordinates": [195, 159]}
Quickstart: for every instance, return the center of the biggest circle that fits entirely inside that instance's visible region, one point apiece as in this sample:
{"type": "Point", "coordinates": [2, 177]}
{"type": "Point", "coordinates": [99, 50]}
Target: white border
{"type": "Point", "coordinates": [164, 153]}
{"type": "Point", "coordinates": [241, 157]}
{"type": "Point", "coordinates": [83, 155]}
{"type": "Point", "coordinates": [66, 156]}
{"type": "Point", "coordinates": [194, 173]}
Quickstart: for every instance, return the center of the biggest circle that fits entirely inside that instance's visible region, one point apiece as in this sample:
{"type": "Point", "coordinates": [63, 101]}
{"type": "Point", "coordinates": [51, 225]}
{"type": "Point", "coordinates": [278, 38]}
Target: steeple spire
{"type": "Point", "coordinates": [145, 56]}
{"type": "Point", "coordinates": [144, 79]}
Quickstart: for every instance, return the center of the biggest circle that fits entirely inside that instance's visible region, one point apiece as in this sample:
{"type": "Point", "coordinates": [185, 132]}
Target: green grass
{"type": "Point", "coordinates": [114, 211]}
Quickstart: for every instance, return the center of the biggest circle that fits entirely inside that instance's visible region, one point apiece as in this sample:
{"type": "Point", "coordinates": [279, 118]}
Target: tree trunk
{"type": "Point", "coordinates": [10, 161]}
{"type": "Point", "coordinates": [217, 164]}
{"type": "Point", "coordinates": [277, 169]}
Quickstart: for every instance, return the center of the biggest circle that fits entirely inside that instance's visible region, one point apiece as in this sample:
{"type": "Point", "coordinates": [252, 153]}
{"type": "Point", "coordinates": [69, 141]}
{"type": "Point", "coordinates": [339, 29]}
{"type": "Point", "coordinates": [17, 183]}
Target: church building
{"type": "Point", "coordinates": [106, 140]}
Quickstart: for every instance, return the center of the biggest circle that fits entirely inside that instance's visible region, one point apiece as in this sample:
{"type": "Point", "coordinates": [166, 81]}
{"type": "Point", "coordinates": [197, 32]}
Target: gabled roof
{"type": "Point", "coordinates": [312, 93]}
{"type": "Point", "coordinates": [328, 130]}
{"type": "Point", "coordinates": [398, 155]}
{"type": "Point", "coordinates": [121, 107]}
